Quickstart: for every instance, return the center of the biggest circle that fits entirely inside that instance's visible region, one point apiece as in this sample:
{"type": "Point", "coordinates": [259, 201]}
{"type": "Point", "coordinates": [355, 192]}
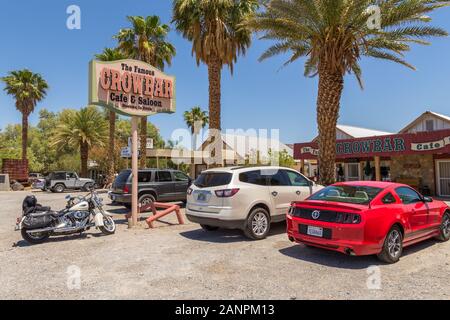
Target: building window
{"type": "Point", "coordinates": [429, 125]}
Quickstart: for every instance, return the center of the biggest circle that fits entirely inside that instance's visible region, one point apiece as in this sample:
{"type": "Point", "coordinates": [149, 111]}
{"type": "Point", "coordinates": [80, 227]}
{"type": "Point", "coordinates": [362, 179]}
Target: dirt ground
{"type": "Point", "coordinates": [185, 262]}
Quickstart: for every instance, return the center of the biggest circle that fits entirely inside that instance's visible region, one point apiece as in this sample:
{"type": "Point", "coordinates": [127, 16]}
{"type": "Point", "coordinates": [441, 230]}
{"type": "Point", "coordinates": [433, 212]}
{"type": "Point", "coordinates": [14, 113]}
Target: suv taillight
{"type": "Point", "coordinates": [226, 193]}
{"type": "Point", "coordinates": [126, 189]}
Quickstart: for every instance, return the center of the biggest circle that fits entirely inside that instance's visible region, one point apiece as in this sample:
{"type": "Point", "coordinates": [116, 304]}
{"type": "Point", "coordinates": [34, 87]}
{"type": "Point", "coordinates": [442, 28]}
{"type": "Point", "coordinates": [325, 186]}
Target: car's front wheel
{"type": "Point", "coordinates": [258, 224]}
{"type": "Point", "coordinates": [444, 234]}
{"type": "Point", "coordinates": [392, 247]}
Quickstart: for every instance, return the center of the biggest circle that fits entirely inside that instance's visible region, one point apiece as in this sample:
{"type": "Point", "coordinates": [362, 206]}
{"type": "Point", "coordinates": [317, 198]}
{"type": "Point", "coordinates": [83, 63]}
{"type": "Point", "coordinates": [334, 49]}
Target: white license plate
{"type": "Point", "coordinates": [202, 197]}
{"type": "Point", "coordinates": [315, 231]}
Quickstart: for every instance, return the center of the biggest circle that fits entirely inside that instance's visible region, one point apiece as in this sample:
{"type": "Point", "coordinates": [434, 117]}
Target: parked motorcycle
{"type": "Point", "coordinates": [38, 223]}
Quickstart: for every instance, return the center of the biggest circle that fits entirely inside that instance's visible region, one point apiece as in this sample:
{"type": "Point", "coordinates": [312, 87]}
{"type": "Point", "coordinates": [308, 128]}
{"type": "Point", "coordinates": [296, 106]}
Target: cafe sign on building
{"type": "Point", "coordinates": [385, 146]}
{"type": "Point", "coordinates": [131, 87]}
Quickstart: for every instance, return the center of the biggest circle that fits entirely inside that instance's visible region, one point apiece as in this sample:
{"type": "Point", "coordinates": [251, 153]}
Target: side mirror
{"type": "Point", "coordinates": [427, 199]}
{"type": "Point", "coordinates": [311, 183]}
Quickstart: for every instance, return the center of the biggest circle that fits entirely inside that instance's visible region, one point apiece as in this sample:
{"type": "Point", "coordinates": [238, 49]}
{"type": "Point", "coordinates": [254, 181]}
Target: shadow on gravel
{"type": "Point", "coordinates": [227, 235]}
{"type": "Point", "coordinates": [56, 239]}
{"type": "Point", "coordinates": [338, 260]}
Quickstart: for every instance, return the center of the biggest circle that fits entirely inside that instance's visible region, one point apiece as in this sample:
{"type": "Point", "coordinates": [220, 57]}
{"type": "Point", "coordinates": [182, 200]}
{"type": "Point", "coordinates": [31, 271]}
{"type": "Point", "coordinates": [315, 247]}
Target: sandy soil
{"type": "Point", "coordinates": [185, 262]}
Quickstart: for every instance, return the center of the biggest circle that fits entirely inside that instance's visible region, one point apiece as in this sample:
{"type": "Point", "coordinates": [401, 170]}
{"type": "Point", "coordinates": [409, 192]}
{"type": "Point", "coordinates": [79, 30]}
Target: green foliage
{"type": "Point", "coordinates": [215, 27]}
{"type": "Point", "coordinates": [109, 54]}
{"type": "Point", "coordinates": [195, 115]}
{"type": "Point", "coordinates": [334, 34]}
{"type": "Point", "coordinates": [44, 157]}
{"type": "Point", "coordinates": [27, 88]}
{"type": "Point", "coordinates": [84, 126]}
{"type": "Point", "coordinates": [11, 146]}
{"type": "Point", "coordinates": [146, 41]}
{"type": "Point", "coordinates": [284, 159]}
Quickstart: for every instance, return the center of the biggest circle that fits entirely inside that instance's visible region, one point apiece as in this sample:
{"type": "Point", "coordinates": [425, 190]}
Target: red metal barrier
{"type": "Point", "coordinates": [168, 208]}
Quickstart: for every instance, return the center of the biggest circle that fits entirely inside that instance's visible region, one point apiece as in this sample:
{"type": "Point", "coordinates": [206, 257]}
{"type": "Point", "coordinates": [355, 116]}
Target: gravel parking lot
{"type": "Point", "coordinates": [185, 262]}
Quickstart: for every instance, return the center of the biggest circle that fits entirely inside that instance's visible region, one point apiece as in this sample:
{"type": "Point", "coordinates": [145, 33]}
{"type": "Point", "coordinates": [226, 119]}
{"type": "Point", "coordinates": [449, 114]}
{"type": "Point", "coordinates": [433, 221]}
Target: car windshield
{"type": "Point", "coordinates": [347, 194]}
{"type": "Point", "coordinates": [213, 179]}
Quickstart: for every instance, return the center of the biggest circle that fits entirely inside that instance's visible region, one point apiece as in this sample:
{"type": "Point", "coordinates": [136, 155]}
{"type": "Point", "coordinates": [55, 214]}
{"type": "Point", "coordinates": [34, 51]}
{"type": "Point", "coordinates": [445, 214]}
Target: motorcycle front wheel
{"type": "Point", "coordinates": [34, 238]}
{"type": "Point", "coordinates": [109, 226]}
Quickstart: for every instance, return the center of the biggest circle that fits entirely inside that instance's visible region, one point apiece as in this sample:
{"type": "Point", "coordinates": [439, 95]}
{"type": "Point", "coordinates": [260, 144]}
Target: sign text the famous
{"type": "Point", "coordinates": [134, 85]}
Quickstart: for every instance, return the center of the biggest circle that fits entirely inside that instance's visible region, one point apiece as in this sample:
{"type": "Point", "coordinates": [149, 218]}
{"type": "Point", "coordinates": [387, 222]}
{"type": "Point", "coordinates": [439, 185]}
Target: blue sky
{"type": "Point", "coordinates": [258, 95]}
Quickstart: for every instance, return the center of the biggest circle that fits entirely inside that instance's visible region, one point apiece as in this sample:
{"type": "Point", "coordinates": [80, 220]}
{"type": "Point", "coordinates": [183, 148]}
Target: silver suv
{"type": "Point", "coordinates": [59, 181]}
{"type": "Point", "coordinates": [247, 198]}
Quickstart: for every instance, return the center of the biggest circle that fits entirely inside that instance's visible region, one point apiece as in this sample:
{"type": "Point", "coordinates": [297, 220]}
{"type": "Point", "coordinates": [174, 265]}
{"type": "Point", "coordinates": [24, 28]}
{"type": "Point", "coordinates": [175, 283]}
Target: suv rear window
{"type": "Point", "coordinates": [123, 177]}
{"type": "Point", "coordinates": [213, 179]}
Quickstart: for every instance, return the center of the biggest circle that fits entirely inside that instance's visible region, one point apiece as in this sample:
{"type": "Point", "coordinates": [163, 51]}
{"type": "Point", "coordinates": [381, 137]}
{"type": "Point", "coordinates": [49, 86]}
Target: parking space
{"type": "Point", "coordinates": [185, 262]}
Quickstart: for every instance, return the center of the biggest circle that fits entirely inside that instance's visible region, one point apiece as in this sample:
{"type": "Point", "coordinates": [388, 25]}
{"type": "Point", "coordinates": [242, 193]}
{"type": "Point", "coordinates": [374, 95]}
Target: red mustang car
{"type": "Point", "coordinates": [365, 218]}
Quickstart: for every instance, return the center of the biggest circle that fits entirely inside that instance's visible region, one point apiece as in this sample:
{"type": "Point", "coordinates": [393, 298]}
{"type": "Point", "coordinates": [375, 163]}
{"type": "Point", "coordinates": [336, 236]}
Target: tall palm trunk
{"type": "Point", "coordinates": [84, 151]}
{"type": "Point", "coordinates": [24, 135]}
{"type": "Point", "coordinates": [112, 149]}
{"type": "Point", "coordinates": [331, 86]}
{"type": "Point", "coordinates": [143, 160]}
{"type": "Point", "coordinates": [214, 77]}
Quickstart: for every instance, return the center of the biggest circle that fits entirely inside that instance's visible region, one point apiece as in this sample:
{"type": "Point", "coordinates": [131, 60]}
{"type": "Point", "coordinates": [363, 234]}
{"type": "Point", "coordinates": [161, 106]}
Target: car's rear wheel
{"type": "Point", "coordinates": [59, 188]}
{"type": "Point", "coordinates": [146, 200]}
{"type": "Point", "coordinates": [444, 234]}
{"type": "Point", "coordinates": [393, 246]}
{"type": "Point", "coordinates": [208, 228]}
{"type": "Point", "coordinates": [34, 238]}
{"type": "Point", "coordinates": [258, 224]}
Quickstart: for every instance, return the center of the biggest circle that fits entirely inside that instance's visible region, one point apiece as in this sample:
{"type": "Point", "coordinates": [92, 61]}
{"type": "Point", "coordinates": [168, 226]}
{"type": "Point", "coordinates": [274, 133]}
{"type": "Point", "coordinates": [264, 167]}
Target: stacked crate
{"type": "Point", "coordinates": [17, 169]}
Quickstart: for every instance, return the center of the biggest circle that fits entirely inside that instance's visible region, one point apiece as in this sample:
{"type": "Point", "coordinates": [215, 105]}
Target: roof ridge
{"type": "Point", "coordinates": [357, 127]}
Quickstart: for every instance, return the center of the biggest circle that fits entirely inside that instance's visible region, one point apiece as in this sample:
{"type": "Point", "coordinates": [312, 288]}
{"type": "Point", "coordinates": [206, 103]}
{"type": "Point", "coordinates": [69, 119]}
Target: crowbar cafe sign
{"type": "Point", "coordinates": [131, 87]}
{"type": "Point", "coordinates": [437, 142]}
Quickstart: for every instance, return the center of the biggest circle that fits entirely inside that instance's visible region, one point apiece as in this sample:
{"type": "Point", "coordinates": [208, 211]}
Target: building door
{"type": "Point", "coordinates": [443, 177]}
{"type": "Point", "coordinates": [352, 172]}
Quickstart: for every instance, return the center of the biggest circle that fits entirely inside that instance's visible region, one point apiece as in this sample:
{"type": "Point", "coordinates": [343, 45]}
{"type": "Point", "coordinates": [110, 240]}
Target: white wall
{"type": "Point", "coordinates": [439, 124]}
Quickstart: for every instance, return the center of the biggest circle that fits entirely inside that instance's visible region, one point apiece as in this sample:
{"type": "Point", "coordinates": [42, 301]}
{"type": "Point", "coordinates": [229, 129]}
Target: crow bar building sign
{"type": "Point", "coordinates": [411, 143]}
{"type": "Point", "coordinates": [131, 88]}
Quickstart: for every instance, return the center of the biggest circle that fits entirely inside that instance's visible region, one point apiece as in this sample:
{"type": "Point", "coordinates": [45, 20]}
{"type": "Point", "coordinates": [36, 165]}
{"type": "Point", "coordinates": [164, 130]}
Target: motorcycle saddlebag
{"type": "Point", "coordinates": [37, 221]}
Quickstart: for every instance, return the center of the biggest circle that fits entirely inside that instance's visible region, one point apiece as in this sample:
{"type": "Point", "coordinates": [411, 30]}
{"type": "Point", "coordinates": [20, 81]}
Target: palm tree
{"type": "Point", "coordinates": [109, 54]}
{"type": "Point", "coordinates": [334, 35]}
{"type": "Point", "coordinates": [194, 118]}
{"type": "Point", "coordinates": [81, 130]}
{"type": "Point", "coordinates": [213, 27]}
{"type": "Point", "coordinates": [146, 41]}
{"type": "Point", "coordinates": [28, 89]}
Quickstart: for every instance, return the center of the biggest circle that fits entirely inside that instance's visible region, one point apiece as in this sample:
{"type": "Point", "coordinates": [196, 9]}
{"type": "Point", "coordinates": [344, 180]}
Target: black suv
{"type": "Point", "coordinates": [154, 185]}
